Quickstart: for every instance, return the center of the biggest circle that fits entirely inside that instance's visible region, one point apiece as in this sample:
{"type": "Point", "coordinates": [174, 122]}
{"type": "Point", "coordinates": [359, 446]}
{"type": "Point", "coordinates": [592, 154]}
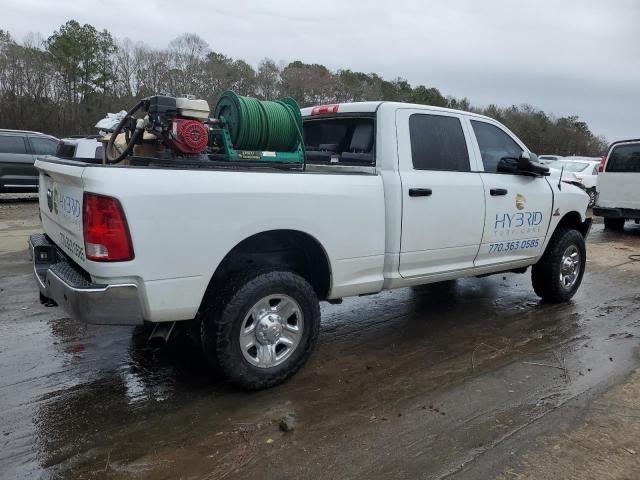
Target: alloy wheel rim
{"type": "Point", "coordinates": [271, 331]}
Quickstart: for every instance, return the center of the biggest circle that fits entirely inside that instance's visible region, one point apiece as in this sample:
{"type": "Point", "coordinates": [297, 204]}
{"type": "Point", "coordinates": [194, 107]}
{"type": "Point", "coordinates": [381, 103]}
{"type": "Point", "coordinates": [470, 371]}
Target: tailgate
{"type": "Point", "coordinates": [618, 184]}
{"type": "Point", "coordinates": [619, 190]}
{"type": "Point", "coordinates": [60, 200]}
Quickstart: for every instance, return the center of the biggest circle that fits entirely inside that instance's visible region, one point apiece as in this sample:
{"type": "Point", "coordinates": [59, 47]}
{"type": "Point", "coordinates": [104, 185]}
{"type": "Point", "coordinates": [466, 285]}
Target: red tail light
{"type": "Point", "coordinates": [106, 234]}
{"type": "Point", "coordinates": [603, 160]}
{"type": "Point", "coordinates": [324, 109]}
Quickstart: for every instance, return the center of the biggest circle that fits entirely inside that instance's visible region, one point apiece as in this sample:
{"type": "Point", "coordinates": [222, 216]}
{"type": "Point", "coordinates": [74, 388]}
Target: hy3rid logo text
{"type": "Point", "coordinates": [520, 219]}
{"type": "Point", "coordinates": [517, 220]}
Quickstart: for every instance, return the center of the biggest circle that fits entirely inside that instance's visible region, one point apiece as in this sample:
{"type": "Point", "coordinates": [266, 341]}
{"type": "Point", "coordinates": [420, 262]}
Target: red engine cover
{"type": "Point", "coordinates": [190, 136]}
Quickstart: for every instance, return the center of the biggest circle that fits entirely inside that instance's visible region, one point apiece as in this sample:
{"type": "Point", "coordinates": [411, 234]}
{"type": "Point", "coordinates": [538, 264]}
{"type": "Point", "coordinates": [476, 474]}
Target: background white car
{"type": "Point", "coordinates": [548, 159]}
{"type": "Point", "coordinates": [580, 171]}
{"type": "Point", "coordinates": [86, 148]}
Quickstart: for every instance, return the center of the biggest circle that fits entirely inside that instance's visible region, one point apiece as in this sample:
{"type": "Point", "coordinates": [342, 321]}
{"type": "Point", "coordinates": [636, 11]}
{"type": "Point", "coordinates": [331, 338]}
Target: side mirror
{"type": "Point", "coordinates": [523, 165]}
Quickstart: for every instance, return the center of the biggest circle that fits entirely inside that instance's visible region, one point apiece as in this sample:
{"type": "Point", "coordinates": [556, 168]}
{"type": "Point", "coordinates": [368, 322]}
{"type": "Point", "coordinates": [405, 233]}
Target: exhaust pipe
{"type": "Point", "coordinates": [161, 333]}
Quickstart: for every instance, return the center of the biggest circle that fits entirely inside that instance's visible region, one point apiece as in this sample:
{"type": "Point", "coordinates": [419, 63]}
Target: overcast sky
{"type": "Point", "coordinates": [564, 56]}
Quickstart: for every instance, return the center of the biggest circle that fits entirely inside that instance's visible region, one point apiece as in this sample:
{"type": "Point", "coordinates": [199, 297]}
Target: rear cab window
{"type": "Point", "coordinates": [624, 158]}
{"type": "Point", "coordinates": [348, 140]}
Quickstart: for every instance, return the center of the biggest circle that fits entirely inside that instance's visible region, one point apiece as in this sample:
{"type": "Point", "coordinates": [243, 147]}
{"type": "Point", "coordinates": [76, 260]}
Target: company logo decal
{"type": "Point", "coordinates": [520, 201]}
{"type": "Point", "coordinates": [508, 224]}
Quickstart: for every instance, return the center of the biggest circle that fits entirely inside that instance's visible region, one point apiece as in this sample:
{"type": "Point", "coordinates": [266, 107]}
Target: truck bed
{"type": "Point", "coordinates": [184, 220]}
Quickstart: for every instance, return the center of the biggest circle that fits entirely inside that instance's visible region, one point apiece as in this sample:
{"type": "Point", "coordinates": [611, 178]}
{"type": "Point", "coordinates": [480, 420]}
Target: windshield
{"type": "Point", "coordinates": [571, 166]}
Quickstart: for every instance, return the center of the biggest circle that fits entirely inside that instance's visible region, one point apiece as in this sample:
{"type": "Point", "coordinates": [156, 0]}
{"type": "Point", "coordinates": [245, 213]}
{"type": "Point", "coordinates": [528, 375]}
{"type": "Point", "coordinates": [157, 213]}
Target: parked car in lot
{"type": "Point", "coordinates": [391, 195]}
{"type": "Point", "coordinates": [548, 159]}
{"type": "Point", "coordinates": [580, 171]}
{"type": "Point", "coordinates": [18, 152]}
{"type": "Point", "coordinates": [87, 148]}
{"type": "Point", "coordinates": [619, 184]}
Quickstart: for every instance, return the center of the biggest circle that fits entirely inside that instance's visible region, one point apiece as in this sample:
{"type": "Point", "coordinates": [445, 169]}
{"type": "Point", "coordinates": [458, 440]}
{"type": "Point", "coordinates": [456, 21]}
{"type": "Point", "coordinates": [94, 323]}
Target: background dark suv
{"type": "Point", "coordinates": [18, 151]}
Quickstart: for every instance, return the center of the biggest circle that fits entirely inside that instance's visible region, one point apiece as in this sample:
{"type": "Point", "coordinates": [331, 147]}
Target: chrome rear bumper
{"type": "Point", "coordinates": [72, 289]}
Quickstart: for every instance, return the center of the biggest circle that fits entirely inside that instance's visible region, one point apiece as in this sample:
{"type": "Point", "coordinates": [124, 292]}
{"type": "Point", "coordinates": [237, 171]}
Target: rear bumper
{"type": "Point", "coordinates": [68, 286]}
{"type": "Point", "coordinates": [616, 212]}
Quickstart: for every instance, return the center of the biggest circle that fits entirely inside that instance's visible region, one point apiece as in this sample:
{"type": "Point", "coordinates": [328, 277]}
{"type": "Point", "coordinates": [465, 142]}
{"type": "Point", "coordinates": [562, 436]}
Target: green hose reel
{"type": "Point", "coordinates": [258, 130]}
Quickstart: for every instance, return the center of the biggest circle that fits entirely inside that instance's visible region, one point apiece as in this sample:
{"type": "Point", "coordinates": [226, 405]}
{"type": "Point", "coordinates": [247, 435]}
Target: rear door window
{"type": "Point", "coordinates": [43, 146]}
{"type": "Point", "coordinates": [494, 145]}
{"type": "Point", "coordinates": [624, 158]}
{"type": "Point", "coordinates": [12, 144]}
{"type": "Point", "coordinates": [438, 143]}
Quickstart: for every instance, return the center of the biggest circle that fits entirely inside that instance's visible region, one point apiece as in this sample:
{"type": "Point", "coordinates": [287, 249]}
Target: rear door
{"type": "Point", "coordinates": [619, 183]}
{"type": "Point", "coordinates": [518, 207]}
{"type": "Point", "coordinates": [16, 163]}
{"type": "Point", "coordinates": [442, 198]}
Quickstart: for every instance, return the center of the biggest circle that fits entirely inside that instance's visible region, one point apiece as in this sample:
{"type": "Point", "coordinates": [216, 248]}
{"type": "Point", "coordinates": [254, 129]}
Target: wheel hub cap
{"type": "Point", "coordinates": [271, 331]}
{"type": "Point", "coordinates": [570, 267]}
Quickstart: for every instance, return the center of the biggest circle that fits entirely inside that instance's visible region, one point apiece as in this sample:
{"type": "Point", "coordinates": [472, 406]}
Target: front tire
{"type": "Point", "coordinates": [612, 223]}
{"type": "Point", "coordinates": [264, 331]}
{"type": "Point", "coordinates": [558, 274]}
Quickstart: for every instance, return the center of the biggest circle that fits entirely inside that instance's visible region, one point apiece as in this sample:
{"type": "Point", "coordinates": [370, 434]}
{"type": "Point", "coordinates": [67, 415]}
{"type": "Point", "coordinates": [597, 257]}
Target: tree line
{"type": "Point", "coordinates": [63, 84]}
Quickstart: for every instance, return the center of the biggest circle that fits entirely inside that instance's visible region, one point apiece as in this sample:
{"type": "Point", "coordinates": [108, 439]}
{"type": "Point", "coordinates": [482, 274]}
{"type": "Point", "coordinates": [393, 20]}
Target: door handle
{"type": "Point", "coordinates": [498, 191]}
{"type": "Point", "coordinates": [420, 192]}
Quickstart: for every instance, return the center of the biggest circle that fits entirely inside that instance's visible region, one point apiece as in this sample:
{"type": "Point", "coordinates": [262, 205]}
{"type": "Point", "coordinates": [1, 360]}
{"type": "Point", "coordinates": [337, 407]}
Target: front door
{"type": "Point", "coordinates": [442, 198]}
{"type": "Point", "coordinates": [518, 207]}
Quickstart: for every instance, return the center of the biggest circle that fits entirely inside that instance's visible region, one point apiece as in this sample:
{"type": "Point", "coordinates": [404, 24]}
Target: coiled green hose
{"type": "Point", "coordinates": [259, 125]}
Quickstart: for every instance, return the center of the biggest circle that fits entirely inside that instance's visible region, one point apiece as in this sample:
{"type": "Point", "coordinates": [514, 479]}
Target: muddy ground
{"type": "Point", "coordinates": [468, 380]}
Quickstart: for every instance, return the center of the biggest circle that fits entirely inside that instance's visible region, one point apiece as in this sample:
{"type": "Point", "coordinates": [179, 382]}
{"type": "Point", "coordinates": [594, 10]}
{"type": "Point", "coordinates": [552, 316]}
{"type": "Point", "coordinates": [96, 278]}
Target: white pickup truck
{"type": "Point", "coordinates": [391, 195]}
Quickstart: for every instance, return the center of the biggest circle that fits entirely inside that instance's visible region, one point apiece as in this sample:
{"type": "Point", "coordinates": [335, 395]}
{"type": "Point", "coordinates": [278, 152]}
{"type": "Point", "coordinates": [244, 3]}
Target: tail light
{"type": "Point", "coordinates": [106, 233]}
{"type": "Point", "coordinates": [603, 160]}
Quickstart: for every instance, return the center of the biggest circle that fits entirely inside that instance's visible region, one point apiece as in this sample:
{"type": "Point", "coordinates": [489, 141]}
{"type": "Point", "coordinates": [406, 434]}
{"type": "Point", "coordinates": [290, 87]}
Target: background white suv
{"type": "Point", "coordinates": [619, 184]}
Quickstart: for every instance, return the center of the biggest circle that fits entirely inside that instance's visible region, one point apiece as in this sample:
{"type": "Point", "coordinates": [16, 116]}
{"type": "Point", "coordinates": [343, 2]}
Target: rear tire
{"type": "Point", "coordinates": [612, 223]}
{"type": "Point", "coordinates": [277, 313]}
{"type": "Point", "coordinates": [556, 277]}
